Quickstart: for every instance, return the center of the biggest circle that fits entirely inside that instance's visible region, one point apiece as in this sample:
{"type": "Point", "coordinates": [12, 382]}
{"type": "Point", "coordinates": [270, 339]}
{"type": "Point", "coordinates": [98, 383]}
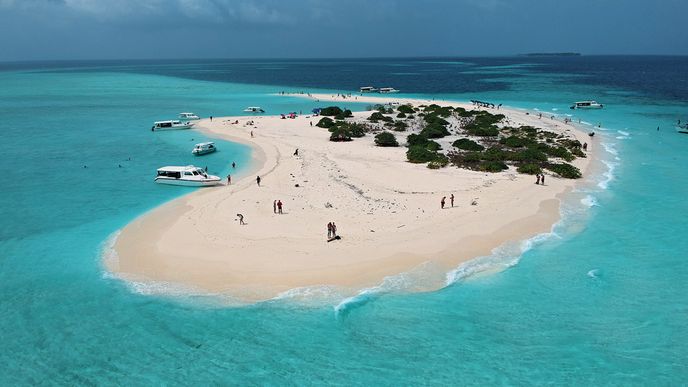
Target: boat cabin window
{"type": "Point", "coordinates": [187, 173]}
{"type": "Point", "coordinates": [194, 172]}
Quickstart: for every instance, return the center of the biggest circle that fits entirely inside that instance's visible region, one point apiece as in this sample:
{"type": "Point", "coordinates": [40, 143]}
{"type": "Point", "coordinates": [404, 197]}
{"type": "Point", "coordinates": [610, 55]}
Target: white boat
{"type": "Point", "coordinates": [367, 89]}
{"type": "Point", "coordinates": [203, 148]}
{"type": "Point", "coordinates": [188, 116]}
{"type": "Point", "coordinates": [387, 90]}
{"type": "Point", "coordinates": [171, 125]}
{"type": "Point", "coordinates": [254, 109]}
{"type": "Point", "coordinates": [587, 105]}
{"type": "Point", "coordinates": [188, 176]}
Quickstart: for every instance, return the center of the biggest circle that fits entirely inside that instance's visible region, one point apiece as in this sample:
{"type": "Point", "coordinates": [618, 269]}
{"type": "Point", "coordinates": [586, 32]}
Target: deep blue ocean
{"type": "Point", "coordinates": [602, 300]}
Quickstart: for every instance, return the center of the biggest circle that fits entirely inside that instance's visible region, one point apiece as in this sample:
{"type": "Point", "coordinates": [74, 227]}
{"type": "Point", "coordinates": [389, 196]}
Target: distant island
{"type": "Point", "coordinates": [552, 54]}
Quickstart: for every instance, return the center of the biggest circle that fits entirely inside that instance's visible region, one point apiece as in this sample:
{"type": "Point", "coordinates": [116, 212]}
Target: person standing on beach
{"type": "Point", "coordinates": [279, 207]}
{"type": "Point", "coordinates": [444, 198]}
{"type": "Point", "coordinates": [211, 118]}
{"type": "Point", "coordinates": [334, 230]}
{"type": "Point", "coordinates": [329, 230]}
{"type": "Point", "coordinates": [258, 180]}
{"type": "Point", "coordinates": [241, 219]}
{"type": "Point", "coordinates": [542, 179]}
{"type": "Point", "coordinates": [451, 200]}
{"type": "Point", "coordinates": [251, 134]}
{"type": "Point", "coordinates": [274, 206]}
{"type": "Point", "coordinates": [229, 179]}
{"type": "Point", "coordinates": [538, 179]}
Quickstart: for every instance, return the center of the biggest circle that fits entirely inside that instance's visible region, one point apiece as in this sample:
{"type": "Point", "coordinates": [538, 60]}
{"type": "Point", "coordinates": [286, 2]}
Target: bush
{"type": "Point", "coordinates": [331, 111]}
{"type": "Point", "coordinates": [578, 152]}
{"type": "Point", "coordinates": [515, 142]}
{"type": "Point", "coordinates": [530, 155]}
{"type": "Point", "coordinates": [386, 139]}
{"type": "Point", "coordinates": [482, 131]}
{"type": "Point", "coordinates": [340, 135]}
{"type": "Point", "coordinates": [325, 122]}
{"type": "Point", "coordinates": [493, 166]}
{"type": "Point", "coordinates": [565, 170]}
{"type": "Point", "coordinates": [401, 115]}
{"type": "Point", "coordinates": [420, 154]}
{"type": "Point", "coordinates": [416, 139]}
{"type": "Point", "coordinates": [400, 126]}
{"type": "Point", "coordinates": [434, 119]}
{"type": "Point", "coordinates": [375, 117]}
{"type": "Point", "coordinates": [560, 152]}
{"type": "Point", "coordinates": [355, 129]}
{"type": "Point", "coordinates": [408, 109]}
{"type": "Point", "coordinates": [434, 131]}
{"type": "Point", "coordinates": [529, 169]}
{"type": "Point", "coordinates": [410, 116]}
{"type": "Point", "coordinates": [440, 161]}
{"type": "Point", "coordinates": [466, 144]}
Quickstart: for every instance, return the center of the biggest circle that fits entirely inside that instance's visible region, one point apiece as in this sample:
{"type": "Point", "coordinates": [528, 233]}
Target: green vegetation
{"type": "Point", "coordinates": [325, 122]}
{"type": "Point", "coordinates": [466, 144]}
{"type": "Point", "coordinates": [340, 135]}
{"type": "Point", "coordinates": [386, 139]}
{"type": "Point", "coordinates": [401, 115]}
{"type": "Point", "coordinates": [434, 131]}
{"type": "Point", "coordinates": [564, 170]}
{"type": "Point", "coordinates": [407, 109]}
{"type": "Point", "coordinates": [529, 169]}
{"type": "Point", "coordinates": [400, 126]}
{"type": "Point", "coordinates": [345, 114]}
{"type": "Point", "coordinates": [331, 111]}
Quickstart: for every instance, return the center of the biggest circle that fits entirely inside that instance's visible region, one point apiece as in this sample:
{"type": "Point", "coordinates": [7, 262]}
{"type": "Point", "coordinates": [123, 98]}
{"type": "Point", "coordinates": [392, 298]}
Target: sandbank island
{"type": "Point", "coordinates": [387, 209]}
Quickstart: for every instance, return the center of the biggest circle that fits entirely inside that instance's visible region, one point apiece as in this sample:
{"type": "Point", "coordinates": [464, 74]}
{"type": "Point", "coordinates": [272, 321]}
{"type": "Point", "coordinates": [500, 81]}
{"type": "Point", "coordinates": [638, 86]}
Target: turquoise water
{"type": "Point", "coordinates": [601, 300]}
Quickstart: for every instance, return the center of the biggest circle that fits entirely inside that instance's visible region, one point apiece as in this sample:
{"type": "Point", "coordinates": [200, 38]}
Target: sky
{"type": "Point", "coordinates": [180, 29]}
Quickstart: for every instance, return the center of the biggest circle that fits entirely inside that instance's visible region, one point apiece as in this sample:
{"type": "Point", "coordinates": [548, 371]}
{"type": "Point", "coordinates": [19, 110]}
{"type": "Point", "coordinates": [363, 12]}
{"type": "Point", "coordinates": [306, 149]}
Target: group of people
{"type": "Point", "coordinates": [540, 178]}
{"type": "Point", "coordinates": [331, 230]}
{"type": "Point", "coordinates": [444, 201]}
{"type": "Point", "coordinates": [277, 206]}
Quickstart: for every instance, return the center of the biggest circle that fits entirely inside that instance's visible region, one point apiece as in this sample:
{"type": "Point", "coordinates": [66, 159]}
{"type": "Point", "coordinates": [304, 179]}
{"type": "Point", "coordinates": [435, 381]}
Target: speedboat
{"type": "Point", "coordinates": [189, 176]}
{"type": "Point", "coordinates": [188, 116]}
{"type": "Point", "coordinates": [367, 89]}
{"type": "Point", "coordinates": [171, 125]}
{"type": "Point", "coordinates": [254, 109]}
{"type": "Point", "coordinates": [203, 148]}
{"type": "Point", "coordinates": [587, 105]}
{"type": "Point", "coordinates": [387, 90]}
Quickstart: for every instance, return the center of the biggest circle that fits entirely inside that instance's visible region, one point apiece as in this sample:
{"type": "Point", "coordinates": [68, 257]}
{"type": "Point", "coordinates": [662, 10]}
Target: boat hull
{"type": "Point", "coordinates": [188, 183]}
{"type": "Point", "coordinates": [203, 152]}
{"type": "Point", "coordinates": [173, 128]}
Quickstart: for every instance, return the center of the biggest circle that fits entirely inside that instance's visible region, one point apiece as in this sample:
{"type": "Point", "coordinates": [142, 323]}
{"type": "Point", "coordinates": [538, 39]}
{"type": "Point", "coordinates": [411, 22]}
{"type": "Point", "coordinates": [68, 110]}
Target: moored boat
{"type": "Point", "coordinates": [171, 125]}
{"type": "Point", "coordinates": [367, 89]}
{"type": "Point", "coordinates": [387, 90]}
{"type": "Point", "coordinates": [189, 176]}
{"type": "Point", "coordinates": [203, 148]}
{"type": "Point", "coordinates": [587, 105]}
{"type": "Point", "coordinates": [188, 116]}
{"type": "Point", "coordinates": [254, 109]}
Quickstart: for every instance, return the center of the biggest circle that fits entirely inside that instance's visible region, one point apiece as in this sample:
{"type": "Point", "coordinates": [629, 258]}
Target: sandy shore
{"type": "Point", "coordinates": [387, 211]}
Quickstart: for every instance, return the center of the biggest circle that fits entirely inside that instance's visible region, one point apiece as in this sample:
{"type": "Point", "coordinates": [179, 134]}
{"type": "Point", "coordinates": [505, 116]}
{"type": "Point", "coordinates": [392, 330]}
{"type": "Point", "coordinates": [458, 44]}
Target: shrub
{"type": "Point", "coordinates": [515, 142]}
{"type": "Point", "coordinates": [408, 109]}
{"type": "Point", "coordinates": [343, 115]}
{"type": "Point", "coordinates": [375, 117]}
{"type": "Point", "coordinates": [340, 135]}
{"type": "Point", "coordinates": [530, 155]}
{"type": "Point", "coordinates": [331, 111]}
{"type": "Point", "coordinates": [493, 166]}
{"type": "Point", "coordinates": [410, 116]}
{"type": "Point", "coordinates": [434, 119]}
{"type": "Point", "coordinates": [440, 161]}
{"type": "Point", "coordinates": [325, 122]}
{"type": "Point", "coordinates": [466, 144]}
{"type": "Point", "coordinates": [400, 126]}
{"type": "Point", "coordinates": [434, 131]}
{"type": "Point", "coordinates": [386, 139]}
{"type": "Point", "coordinates": [565, 170]}
{"type": "Point", "coordinates": [529, 169]}
{"type": "Point", "coordinates": [420, 154]}
{"type": "Point", "coordinates": [356, 129]}
{"type": "Point", "coordinates": [482, 131]}
{"type": "Point", "coordinates": [560, 152]}
{"type": "Point", "coordinates": [578, 152]}
{"type": "Point", "coordinates": [416, 139]}
{"type": "Point", "coordinates": [401, 115]}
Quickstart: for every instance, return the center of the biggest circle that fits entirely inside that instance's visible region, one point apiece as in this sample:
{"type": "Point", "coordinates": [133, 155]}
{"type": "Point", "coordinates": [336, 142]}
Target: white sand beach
{"type": "Point", "coordinates": [387, 212]}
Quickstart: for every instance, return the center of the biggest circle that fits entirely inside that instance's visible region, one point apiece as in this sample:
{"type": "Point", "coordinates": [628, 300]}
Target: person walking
{"type": "Point", "coordinates": [274, 206]}
{"type": "Point", "coordinates": [538, 179]}
{"type": "Point", "coordinates": [542, 179]}
{"type": "Point", "coordinates": [334, 230]}
{"type": "Point", "coordinates": [451, 200]}
{"type": "Point", "coordinates": [329, 230]}
{"type": "Point", "coordinates": [444, 198]}
{"type": "Point", "coordinates": [241, 219]}
{"type": "Point", "coordinates": [279, 207]}
{"type": "Point", "coordinates": [258, 180]}
{"type": "Point", "coordinates": [229, 179]}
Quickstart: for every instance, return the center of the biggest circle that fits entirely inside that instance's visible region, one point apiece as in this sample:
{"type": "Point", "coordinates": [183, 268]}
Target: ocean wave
{"type": "Point", "coordinates": [623, 133]}
{"type": "Point", "coordinates": [502, 258]}
{"type": "Point", "coordinates": [589, 201]}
